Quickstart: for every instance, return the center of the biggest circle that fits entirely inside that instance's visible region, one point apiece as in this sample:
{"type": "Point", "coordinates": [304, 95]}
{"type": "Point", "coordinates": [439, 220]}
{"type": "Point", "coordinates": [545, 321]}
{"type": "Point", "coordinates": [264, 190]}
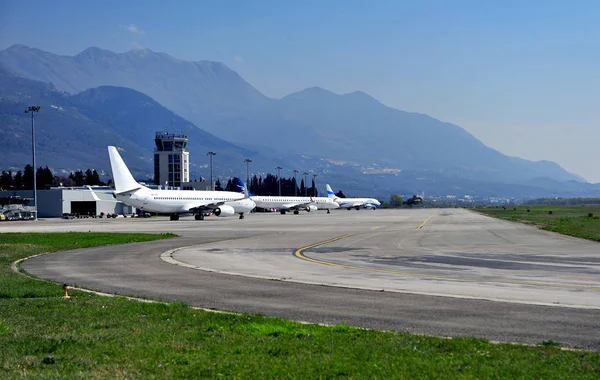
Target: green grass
{"type": "Point", "coordinates": [567, 220]}
{"type": "Point", "coordinates": [14, 246]}
{"type": "Point", "coordinates": [44, 335]}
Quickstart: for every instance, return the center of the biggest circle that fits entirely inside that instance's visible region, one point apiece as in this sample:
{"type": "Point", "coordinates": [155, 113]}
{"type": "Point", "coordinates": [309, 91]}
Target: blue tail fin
{"type": "Point", "coordinates": [240, 187]}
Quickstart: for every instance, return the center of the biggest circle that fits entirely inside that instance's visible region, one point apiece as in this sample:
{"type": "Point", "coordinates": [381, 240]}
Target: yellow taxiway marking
{"type": "Point", "coordinates": [299, 254]}
{"type": "Point", "coordinates": [424, 223]}
{"type": "Point", "coordinates": [374, 228]}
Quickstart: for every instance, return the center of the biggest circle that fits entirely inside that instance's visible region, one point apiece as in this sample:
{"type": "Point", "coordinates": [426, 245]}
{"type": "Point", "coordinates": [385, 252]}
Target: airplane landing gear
{"type": "Point", "coordinates": [174, 217]}
{"type": "Point", "coordinates": [329, 212]}
{"type": "Point", "coordinates": [296, 212]}
{"type": "Point", "coordinates": [199, 216]}
{"type": "Point", "coordinates": [282, 212]}
{"type": "Point", "coordinates": [241, 215]}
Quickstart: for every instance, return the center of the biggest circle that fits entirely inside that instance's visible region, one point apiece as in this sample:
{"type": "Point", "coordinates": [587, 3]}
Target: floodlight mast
{"type": "Point", "coordinates": [32, 110]}
{"type": "Point", "coordinates": [248, 161]}
{"type": "Point", "coordinates": [296, 182]}
{"type": "Point", "coordinates": [305, 187]}
{"type": "Point", "coordinates": [279, 178]}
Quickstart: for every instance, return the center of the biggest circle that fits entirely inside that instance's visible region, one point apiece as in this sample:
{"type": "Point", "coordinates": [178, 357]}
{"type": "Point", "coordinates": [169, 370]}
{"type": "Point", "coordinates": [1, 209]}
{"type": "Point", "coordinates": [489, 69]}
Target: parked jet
{"type": "Point", "coordinates": [174, 202]}
{"type": "Point", "coordinates": [356, 203]}
{"type": "Point", "coordinates": [292, 204]}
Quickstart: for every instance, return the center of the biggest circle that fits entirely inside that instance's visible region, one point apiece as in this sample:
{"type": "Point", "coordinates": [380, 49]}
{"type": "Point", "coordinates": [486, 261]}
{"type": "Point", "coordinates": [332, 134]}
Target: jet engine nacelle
{"type": "Point", "coordinates": [311, 208]}
{"type": "Point", "coordinates": [224, 211]}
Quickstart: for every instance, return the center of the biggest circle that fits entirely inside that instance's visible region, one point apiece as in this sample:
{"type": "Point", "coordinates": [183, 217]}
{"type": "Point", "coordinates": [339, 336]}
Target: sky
{"type": "Point", "coordinates": [521, 76]}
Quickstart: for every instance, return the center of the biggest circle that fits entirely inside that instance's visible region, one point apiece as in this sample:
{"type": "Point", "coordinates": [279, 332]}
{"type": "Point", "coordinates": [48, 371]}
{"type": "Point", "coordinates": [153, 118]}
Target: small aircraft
{"type": "Point", "coordinates": [291, 204]}
{"type": "Point", "coordinates": [356, 203]}
{"type": "Point", "coordinates": [174, 202]}
{"type": "Point", "coordinates": [413, 201]}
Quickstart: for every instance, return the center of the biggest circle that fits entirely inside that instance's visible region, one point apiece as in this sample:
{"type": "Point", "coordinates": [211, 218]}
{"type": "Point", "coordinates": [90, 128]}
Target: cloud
{"type": "Point", "coordinates": [237, 58]}
{"type": "Point", "coordinates": [134, 29]}
{"type": "Point", "coordinates": [136, 45]}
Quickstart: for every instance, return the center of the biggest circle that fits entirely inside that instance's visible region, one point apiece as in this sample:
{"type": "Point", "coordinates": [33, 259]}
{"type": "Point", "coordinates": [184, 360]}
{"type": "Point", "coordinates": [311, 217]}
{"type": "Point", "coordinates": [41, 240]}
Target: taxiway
{"type": "Point", "coordinates": [445, 272]}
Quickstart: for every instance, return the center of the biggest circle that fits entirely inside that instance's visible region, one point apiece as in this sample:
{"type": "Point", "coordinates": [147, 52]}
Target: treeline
{"type": "Point", "coordinates": [269, 185]}
{"type": "Point", "coordinates": [45, 178]}
{"type": "Point", "coordinates": [563, 201]}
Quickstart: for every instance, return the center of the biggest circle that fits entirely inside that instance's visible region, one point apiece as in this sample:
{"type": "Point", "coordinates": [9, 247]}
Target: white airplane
{"type": "Point", "coordinates": [356, 203]}
{"type": "Point", "coordinates": [174, 202]}
{"type": "Point", "coordinates": [292, 204]}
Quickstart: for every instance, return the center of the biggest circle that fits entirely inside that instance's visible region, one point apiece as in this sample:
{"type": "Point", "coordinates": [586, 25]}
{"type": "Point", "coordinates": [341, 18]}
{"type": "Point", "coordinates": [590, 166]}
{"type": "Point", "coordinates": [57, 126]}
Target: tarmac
{"type": "Point", "coordinates": [443, 272]}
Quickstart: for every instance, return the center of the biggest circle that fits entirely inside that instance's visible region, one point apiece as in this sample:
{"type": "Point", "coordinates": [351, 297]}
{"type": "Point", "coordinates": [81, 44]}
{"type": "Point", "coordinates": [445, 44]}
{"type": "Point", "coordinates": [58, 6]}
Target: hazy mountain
{"type": "Point", "coordinates": [352, 140]}
{"type": "Point", "coordinates": [359, 129]}
{"type": "Point", "coordinates": [73, 131]}
{"type": "Point", "coordinates": [201, 92]}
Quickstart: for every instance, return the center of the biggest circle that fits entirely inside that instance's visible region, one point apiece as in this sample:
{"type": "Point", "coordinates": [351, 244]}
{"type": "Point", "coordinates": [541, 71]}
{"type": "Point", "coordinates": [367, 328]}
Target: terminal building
{"type": "Point", "coordinates": [56, 202]}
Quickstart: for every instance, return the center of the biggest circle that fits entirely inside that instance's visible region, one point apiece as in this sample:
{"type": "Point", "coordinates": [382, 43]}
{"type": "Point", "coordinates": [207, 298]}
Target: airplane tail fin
{"type": "Point", "coordinates": [124, 182]}
{"type": "Point", "coordinates": [330, 192]}
{"type": "Point", "coordinates": [240, 187]}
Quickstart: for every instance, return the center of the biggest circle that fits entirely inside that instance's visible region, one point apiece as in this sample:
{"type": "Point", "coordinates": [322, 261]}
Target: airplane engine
{"type": "Point", "coordinates": [224, 211]}
{"type": "Point", "coordinates": [311, 208]}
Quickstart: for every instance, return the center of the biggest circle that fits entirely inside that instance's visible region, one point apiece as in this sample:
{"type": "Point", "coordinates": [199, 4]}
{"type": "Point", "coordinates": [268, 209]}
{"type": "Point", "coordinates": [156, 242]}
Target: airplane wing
{"type": "Point", "coordinates": [294, 206]}
{"type": "Point", "coordinates": [204, 207]}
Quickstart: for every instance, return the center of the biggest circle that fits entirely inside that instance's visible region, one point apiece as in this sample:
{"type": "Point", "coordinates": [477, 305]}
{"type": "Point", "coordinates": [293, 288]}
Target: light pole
{"type": "Point", "coordinates": [305, 187]}
{"type": "Point", "coordinates": [32, 110]}
{"type": "Point", "coordinates": [314, 184]}
{"type": "Point", "coordinates": [248, 161]}
{"type": "Point", "coordinates": [279, 178]}
{"type": "Point", "coordinates": [296, 183]}
{"type": "Point", "coordinates": [211, 154]}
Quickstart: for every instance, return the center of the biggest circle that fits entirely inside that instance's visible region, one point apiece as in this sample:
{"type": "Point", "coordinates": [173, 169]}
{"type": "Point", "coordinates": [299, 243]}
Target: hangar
{"type": "Point", "coordinates": [56, 201]}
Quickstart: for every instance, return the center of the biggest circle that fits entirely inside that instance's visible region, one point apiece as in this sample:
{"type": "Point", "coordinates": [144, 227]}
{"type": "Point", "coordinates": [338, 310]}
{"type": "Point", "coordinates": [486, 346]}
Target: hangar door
{"type": "Point", "coordinates": [83, 207]}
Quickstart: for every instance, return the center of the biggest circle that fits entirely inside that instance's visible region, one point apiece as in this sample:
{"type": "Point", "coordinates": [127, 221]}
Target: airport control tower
{"type": "Point", "coordinates": [171, 159]}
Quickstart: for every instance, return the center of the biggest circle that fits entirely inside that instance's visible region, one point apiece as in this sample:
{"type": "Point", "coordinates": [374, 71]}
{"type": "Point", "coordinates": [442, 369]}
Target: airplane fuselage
{"type": "Point", "coordinates": [319, 203]}
{"type": "Point", "coordinates": [182, 201]}
{"type": "Point", "coordinates": [357, 202]}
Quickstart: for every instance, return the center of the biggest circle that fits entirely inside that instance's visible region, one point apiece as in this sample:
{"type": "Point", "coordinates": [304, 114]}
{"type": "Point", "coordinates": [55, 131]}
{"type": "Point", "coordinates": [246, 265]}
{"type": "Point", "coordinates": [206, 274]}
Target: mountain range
{"type": "Point", "coordinates": [350, 139]}
{"type": "Point", "coordinates": [73, 131]}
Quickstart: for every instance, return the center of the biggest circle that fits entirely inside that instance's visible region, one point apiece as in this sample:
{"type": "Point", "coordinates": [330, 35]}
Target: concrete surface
{"type": "Point", "coordinates": [459, 273]}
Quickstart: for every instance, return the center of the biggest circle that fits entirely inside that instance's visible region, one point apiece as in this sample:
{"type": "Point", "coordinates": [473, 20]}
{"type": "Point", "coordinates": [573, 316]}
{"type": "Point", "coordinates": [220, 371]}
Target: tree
{"type": "Point", "coordinates": [44, 178]}
{"type": "Point", "coordinates": [395, 200]}
{"type": "Point", "coordinates": [77, 177]}
{"type": "Point", "coordinates": [6, 180]}
{"type": "Point", "coordinates": [62, 181]}
{"type": "Point", "coordinates": [96, 178]}
{"type": "Point", "coordinates": [218, 186]}
{"type": "Point", "coordinates": [28, 178]}
{"type": "Point", "coordinates": [230, 186]}
{"type": "Point", "coordinates": [18, 181]}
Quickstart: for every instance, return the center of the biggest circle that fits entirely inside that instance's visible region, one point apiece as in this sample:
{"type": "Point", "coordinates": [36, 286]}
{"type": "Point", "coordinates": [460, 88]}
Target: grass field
{"type": "Point", "coordinates": [567, 220]}
{"type": "Point", "coordinates": [45, 335]}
